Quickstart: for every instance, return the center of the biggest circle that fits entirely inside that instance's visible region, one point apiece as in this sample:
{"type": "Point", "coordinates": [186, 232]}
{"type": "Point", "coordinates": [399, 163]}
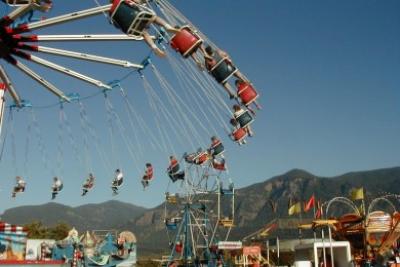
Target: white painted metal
{"type": "Point", "coordinates": [41, 80]}
{"type": "Point", "coordinates": [69, 72]}
{"type": "Point", "coordinates": [89, 57]}
{"type": "Point", "coordinates": [4, 77]}
{"type": "Point", "coordinates": [88, 37]}
{"type": "Point", "coordinates": [18, 12]}
{"type": "Point", "coordinates": [2, 105]}
{"type": "Point", "coordinates": [69, 17]}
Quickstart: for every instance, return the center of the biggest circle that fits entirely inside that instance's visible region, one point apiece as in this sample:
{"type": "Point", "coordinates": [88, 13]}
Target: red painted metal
{"type": "Point", "coordinates": [186, 41]}
{"type": "Point", "coordinates": [239, 134]}
{"type": "Point", "coordinates": [247, 93]}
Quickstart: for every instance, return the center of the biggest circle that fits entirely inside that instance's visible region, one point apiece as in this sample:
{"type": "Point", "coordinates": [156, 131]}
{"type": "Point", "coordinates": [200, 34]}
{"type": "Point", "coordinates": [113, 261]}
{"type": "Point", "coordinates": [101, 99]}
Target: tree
{"type": "Point", "coordinates": [36, 230]}
{"type": "Point", "coordinates": [59, 231]}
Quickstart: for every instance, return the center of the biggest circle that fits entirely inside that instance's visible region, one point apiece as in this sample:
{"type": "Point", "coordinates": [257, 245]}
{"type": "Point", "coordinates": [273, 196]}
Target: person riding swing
{"type": "Point", "coordinates": [19, 187]}
{"type": "Point", "coordinates": [117, 181]}
{"type": "Point", "coordinates": [244, 118]}
{"type": "Point", "coordinates": [238, 134]}
{"type": "Point", "coordinates": [88, 184]}
{"type": "Point", "coordinates": [198, 158]}
{"type": "Point", "coordinates": [134, 18]}
{"type": "Point", "coordinates": [174, 171]}
{"type": "Point", "coordinates": [56, 187]}
{"type": "Point", "coordinates": [148, 175]}
{"type": "Point", "coordinates": [220, 66]}
{"type": "Point", "coordinates": [216, 147]}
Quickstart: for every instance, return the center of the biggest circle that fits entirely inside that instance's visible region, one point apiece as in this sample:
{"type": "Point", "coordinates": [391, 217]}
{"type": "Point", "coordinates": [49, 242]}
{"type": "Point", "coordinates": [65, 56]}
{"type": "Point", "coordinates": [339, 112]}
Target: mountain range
{"type": "Point", "coordinates": [252, 206]}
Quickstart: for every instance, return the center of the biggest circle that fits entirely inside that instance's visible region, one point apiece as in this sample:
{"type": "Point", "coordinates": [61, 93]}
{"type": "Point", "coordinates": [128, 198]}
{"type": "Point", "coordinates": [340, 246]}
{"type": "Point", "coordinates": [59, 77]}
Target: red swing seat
{"type": "Point", "coordinates": [203, 157]}
{"type": "Point", "coordinates": [239, 134]}
{"type": "Point", "coordinates": [247, 93]}
{"type": "Point", "coordinates": [220, 166]}
{"type": "Point", "coordinates": [186, 41]}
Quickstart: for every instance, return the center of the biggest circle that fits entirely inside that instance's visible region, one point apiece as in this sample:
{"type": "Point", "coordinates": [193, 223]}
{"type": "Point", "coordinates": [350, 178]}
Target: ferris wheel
{"type": "Point", "coordinates": [199, 208]}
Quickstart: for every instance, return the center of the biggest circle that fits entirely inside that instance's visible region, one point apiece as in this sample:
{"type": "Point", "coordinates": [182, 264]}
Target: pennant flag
{"type": "Point", "coordinates": [357, 194]}
{"type": "Point", "coordinates": [295, 208]}
{"type": "Point", "coordinates": [269, 229]}
{"type": "Point", "coordinates": [318, 213]}
{"type": "Point", "coordinates": [309, 204]}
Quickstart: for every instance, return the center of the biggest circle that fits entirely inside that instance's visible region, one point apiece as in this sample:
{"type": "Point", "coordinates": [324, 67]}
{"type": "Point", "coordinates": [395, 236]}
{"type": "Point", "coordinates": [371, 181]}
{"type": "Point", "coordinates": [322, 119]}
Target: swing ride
{"type": "Point", "coordinates": [199, 206]}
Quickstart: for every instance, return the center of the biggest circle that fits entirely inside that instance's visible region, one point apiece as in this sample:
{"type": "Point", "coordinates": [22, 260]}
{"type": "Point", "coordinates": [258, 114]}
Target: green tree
{"type": "Point", "coordinates": [36, 230]}
{"type": "Point", "coordinates": [59, 231]}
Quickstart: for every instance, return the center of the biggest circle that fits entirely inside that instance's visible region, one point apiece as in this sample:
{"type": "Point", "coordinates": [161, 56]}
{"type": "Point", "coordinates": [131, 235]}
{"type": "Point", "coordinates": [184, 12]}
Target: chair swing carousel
{"type": "Point", "coordinates": [202, 202]}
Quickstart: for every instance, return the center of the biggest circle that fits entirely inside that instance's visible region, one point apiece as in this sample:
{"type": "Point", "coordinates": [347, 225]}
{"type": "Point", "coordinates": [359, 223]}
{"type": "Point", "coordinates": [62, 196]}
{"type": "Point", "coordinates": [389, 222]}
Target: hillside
{"type": "Point", "coordinates": [252, 207]}
{"type": "Point", "coordinates": [107, 215]}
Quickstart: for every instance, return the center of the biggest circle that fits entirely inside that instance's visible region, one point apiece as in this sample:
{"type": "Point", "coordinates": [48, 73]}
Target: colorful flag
{"type": "Point", "coordinates": [318, 214]}
{"type": "Point", "coordinates": [309, 204]}
{"type": "Point", "coordinates": [295, 208]}
{"type": "Point", "coordinates": [269, 229]}
{"type": "Point", "coordinates": [357, 194]}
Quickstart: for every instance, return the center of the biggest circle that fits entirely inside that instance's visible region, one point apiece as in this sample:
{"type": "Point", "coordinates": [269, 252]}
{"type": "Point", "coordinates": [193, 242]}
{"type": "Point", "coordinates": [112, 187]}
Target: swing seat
{"type": "Point", "coordinates": [217, 149]}
{"type": "Point", "coordinates": [117, 184]}
{"type": "Point", "coordinates": [88, 186]}
{"type": "Point", "coordinates": [131, 18]}
{"type": "Point", "coordinates": [226, 223]}
{"type": "Point", "coordinates": [219, 165]}
{"type": "Point", "coordinates": [57, 190]}
{"type": "Point", "coordinates": [19, 189]}
{"type": "Point", "coordinates": [239, 134]}
{"type": "Point", "coordinates": [197, 158]}
{"type": "Point", "coordinates": [186, 41]}
{"type": "Point", "coordinates": [147, 178]}
{"type": "Point", "coordinates": [173, 169]}
{"type": "Point", "coordinates": [223, 70]}
{"type": "Point", "coordinates": [246, 93]}
{"type": "Point", "coordinates": [244, 119]}
{"type": "Point", "coordinates": [201, 158]}
{"type": "Point", "coordinates": [177, 176]}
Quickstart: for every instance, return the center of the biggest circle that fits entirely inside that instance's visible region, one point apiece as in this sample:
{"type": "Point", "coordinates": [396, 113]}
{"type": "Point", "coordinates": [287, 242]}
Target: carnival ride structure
{"type": "Point", "coordinates": [371, 232]}
{"type": "Point", "coordinates": [199, 212]}
{"type": "Point", "coordinates": [201, 218]}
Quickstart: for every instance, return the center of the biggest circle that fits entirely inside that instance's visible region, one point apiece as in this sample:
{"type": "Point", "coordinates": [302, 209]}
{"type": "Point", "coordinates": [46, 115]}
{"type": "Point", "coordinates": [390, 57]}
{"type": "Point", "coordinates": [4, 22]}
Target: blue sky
{"type": "Point", "coordinates": [328, 74]}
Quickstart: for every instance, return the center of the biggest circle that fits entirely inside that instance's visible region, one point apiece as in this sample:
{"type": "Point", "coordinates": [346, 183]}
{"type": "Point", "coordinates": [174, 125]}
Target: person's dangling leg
{"type": "Point", "coordinates": [165, 24]}
{"type": "Point", "coordinates": [239, 75]}
{"type": "Point", "coordinates": [229, 90]}
{"type": "Point", "coordinates": [149, 40]}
